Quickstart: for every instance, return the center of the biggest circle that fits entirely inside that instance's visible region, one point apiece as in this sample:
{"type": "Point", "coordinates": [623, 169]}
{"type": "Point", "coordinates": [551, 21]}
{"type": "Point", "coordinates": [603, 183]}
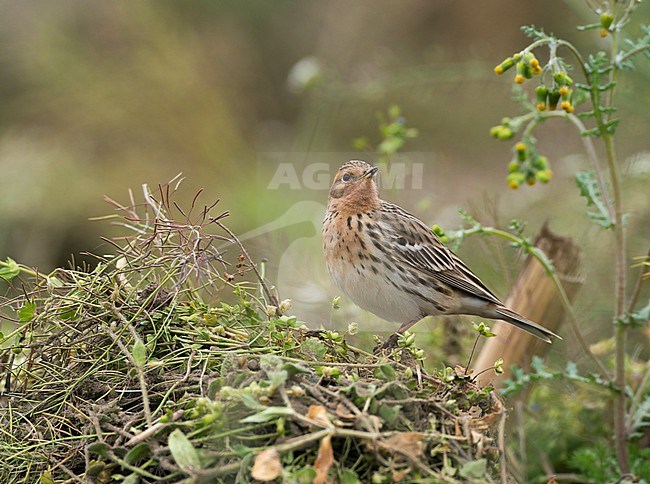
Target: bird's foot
{"type": "Point", "coordinates": [388, 345]}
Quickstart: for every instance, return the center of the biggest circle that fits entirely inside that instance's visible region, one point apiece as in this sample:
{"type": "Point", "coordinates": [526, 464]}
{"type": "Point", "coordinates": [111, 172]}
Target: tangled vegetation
{"type": "Point", "coordinates": [126, 372]}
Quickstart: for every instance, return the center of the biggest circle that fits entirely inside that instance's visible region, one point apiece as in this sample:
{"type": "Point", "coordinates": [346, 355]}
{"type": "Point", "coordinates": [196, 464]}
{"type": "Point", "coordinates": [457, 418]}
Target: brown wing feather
{"type": "Point", "coordinates": [426, 253]}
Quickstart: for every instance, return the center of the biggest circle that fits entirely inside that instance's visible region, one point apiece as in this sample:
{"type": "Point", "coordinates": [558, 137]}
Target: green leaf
{"type": "Point", "coordinates": [269, 413]}
{"type": "Point", "coordinates": [589, 189]}
{"type": "Point", "coordinates": [498, 366]}
{"type": "Point", "coordinates": [348, 476]}
{"type": "Point", "coordinates": [306, 475]}
{"type": "Point", "coordinates": [638, 318]}
{"type": "Point", "coordinates": [183, 451]}
{"type": "Point", "coordinates": [139, 353]}
{"type": "Point", "coordinates": [641, 418]}
{"type": "Point", "coordinates": [389, 412]}
{"type": "Point", "coordinates": [98, 448]}
{"type": "Point", "coordinates": [137, 453]}
{"type": "Point", "coordinates": [474, 469]}
{"type": "Point", "coordinates": [538, 365]}
{"type": "Point", "coordinates": [27, 311]}
{"type": "Point", "coordinates": [10, 270]}
{"type": "Point", "coordinates": [314, 348]}
{"type": "Point", "coordinates": [571, 369]}
{"type": "Point", "coordinates": [46, 478]}
{"type": "Point", "coordinates": [385, 372]}
{"type": "Point", "coordinates": [95, 469]}
{"type": "Point", "coordinates": [294, 368]}
{"type": "Point", "coordinates": [250, 401]}
{"type": "Point", "coordinates": [132, 478]}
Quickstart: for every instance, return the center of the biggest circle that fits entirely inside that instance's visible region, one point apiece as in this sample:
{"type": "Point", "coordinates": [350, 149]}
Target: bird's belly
{"type": "Point", "coordinates": [382, 294]}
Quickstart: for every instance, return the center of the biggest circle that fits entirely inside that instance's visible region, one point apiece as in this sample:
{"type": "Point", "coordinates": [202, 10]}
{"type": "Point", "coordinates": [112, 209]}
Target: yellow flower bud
{"type": "Point", "coordinates": [606, 20]}
{"type": "Point", "coordinates": [504, 66]}
{"type": "Point", "coordinates": [535, 67]}
{"type": "Point", "coordinates": [515, 179]}
{"type": "Point", "coordinates": [544, 175]}
{"type": "Point", "coordinates": [523, 72]}
{"type": "Point", "coordinates": [567, 106]}
{"type": "Point", "coordinates": [520, 148]}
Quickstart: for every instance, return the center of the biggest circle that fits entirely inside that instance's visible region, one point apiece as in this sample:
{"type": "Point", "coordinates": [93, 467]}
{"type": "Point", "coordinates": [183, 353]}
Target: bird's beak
{"type": "Point", "coordinates": [370, 172]}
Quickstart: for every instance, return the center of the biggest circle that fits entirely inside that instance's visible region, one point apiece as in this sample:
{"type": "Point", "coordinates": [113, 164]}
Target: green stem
{"type": "Point", "coordinates": [27, 270]}
{"type": "Point", "coordinates": [577, 55]}
{"type": "Point", "coordinates": [620, 282]}
{"type": "Point", "coordinates": [631, 53]}
{"type": "Point", "coordinates": [471, 355]}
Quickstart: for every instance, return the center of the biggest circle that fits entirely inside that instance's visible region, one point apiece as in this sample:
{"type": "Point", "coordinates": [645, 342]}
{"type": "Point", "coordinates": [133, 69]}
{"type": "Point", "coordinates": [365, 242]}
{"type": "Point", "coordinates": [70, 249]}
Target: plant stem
{"type": "Point", "coordinates": [631, 53]}
{"type": "Point", "coordinates": [619, 249]}
{"type": "Point", "coordinates": [471, 355]}
{"type": "Point", "coordinates": [274, 301]}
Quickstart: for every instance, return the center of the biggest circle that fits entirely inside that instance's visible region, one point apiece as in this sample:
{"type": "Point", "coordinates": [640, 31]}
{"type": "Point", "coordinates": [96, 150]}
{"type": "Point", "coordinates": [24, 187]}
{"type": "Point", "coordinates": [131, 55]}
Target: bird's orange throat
{"type": "Point", "coordinates": [362, 198]}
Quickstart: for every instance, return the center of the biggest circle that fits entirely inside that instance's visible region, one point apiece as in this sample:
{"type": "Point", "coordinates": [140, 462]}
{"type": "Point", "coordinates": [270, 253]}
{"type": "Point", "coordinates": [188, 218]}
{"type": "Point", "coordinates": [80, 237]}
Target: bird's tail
{"type": "Point", "coordinates": [519, 321]}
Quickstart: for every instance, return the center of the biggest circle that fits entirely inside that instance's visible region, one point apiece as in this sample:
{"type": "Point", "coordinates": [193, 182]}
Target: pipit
{"type": "Point", "coordinates": [391, 264]}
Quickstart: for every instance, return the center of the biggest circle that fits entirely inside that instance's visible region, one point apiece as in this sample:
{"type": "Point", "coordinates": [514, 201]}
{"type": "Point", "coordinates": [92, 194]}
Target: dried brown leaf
{"type": "Point", "coordinates": [409, 443]}
{"type": "Point", "coordinates": [324, 460]}
{"type": "Point", "coordinates": [267, 466]}
{"type": "Point", "coordinates": [399, 476]}
{"type": "Point", "coordinates": [343, 412]}
{"type": "Point", "coordinates": [318, 414]}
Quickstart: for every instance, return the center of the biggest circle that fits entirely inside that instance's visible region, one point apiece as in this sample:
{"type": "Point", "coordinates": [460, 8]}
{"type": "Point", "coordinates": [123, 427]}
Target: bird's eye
{"type": "Point", "coordinates": [346, 177]}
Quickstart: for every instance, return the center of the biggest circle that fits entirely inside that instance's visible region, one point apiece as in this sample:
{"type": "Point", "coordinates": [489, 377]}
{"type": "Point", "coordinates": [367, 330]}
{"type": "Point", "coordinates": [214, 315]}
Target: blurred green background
{"type": "Point", "coordinates": [99, 97]}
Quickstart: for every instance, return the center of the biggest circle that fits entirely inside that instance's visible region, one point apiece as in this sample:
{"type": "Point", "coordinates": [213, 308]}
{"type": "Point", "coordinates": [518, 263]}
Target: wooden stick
{"type": "Point", "coordinates": [535, 297]}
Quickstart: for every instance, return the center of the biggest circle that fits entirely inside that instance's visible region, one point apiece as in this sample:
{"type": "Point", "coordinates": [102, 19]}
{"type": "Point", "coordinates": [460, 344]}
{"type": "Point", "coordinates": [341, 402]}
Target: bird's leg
{"type": "Point", "coordinates": [391, 342]}
{"type": "Point", "coordinates": [407, 326]}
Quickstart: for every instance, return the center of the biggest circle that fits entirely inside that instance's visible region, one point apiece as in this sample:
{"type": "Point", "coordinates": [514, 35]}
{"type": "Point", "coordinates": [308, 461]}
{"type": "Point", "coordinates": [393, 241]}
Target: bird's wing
{"type": "Point", "coordinates": [414, 244]}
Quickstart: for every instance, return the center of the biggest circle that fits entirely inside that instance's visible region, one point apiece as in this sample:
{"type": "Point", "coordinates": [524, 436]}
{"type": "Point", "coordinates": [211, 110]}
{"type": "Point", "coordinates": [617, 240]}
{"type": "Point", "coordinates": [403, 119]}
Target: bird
{"type": "Point", "coordinates": [392, 264]}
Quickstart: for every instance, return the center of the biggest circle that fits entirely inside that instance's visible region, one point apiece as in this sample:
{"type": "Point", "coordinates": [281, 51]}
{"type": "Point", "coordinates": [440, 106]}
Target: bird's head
{"type": "Point", "coordinates": [355, 186]}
